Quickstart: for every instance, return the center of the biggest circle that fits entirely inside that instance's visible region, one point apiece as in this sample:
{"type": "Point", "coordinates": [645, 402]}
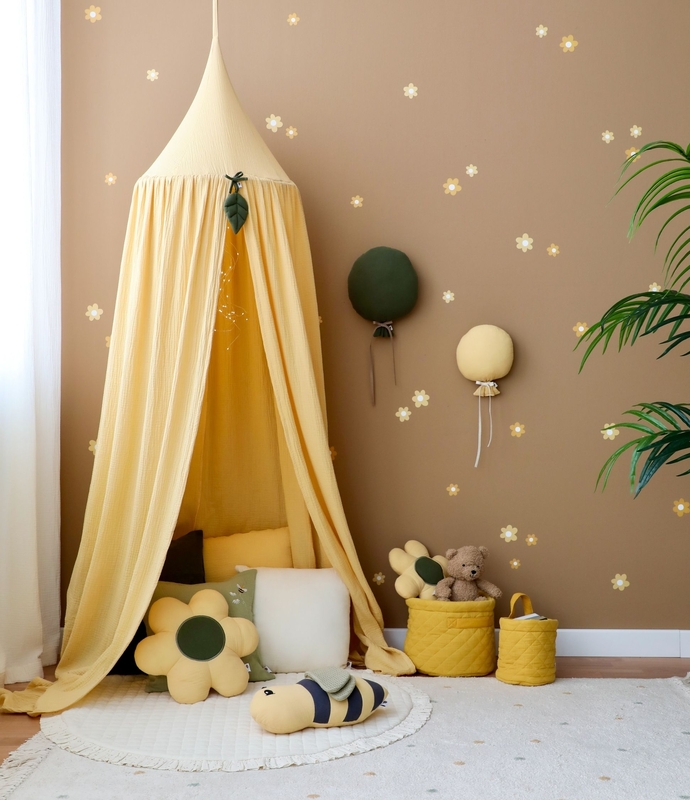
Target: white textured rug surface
{"type": "Point", "coordinates": [577, 739]}
{"type": "Point", "coordinates": [118, 722]}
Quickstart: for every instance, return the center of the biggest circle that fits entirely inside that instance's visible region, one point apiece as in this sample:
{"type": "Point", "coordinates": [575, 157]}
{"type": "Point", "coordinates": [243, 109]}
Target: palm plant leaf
{"type": "Point", "coordinates": [673, 185]}
{"type": "Point", "coordinates": [639, 315]}
{"type": "Point", "coordinates": [665, 439]}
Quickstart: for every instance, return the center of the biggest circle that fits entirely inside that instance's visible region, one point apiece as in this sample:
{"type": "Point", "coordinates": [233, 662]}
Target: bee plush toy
{"type": "Point", "coordinates": [307, 704]}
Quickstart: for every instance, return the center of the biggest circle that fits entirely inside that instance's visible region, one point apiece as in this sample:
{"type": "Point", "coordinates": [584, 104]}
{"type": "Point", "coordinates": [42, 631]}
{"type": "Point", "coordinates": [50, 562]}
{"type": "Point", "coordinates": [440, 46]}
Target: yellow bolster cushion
{"type": "Point", "coordinates": [269, 548]}
{"type": "Point", "coordinates": [451, 638]}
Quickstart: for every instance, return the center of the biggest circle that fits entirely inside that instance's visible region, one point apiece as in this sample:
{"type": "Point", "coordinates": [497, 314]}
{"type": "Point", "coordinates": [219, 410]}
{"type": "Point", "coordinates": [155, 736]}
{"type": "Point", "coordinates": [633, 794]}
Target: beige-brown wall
{"type": "Point", "coordinates": [490, 93]}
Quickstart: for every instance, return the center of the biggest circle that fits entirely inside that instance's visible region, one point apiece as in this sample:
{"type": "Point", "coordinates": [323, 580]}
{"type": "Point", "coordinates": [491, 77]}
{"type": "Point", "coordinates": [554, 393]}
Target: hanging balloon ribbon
{"type": "Point", "coordinates": [485, 354]}
{"type": "Point", "coordinates": [382, 287]}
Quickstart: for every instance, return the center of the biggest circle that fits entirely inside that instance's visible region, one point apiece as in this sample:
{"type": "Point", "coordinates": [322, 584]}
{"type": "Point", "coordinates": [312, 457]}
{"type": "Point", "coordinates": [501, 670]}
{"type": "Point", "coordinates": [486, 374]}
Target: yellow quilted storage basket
{"type": "Point", "coordinates": [451, 639]}
{"type": "Point", "coordinates": [526, 647]}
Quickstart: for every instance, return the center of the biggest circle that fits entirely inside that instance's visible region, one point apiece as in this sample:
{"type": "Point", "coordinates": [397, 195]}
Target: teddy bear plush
{"type": "Point", "coordinates": [464, 581]}
{"type": "Point", "coordinates": [418, 573]}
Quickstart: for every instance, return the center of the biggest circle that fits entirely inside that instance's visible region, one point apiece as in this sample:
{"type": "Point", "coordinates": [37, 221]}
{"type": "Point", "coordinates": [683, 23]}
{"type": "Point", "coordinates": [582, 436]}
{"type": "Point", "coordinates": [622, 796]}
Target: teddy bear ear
{"type": "Point", "coordinates": [450, 553]}
{"type": "Point", "coordinates": [484, 551]}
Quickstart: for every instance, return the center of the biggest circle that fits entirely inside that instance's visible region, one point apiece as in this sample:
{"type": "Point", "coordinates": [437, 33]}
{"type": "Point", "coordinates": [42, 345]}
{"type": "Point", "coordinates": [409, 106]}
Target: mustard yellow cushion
{"type": "Point", "coordinates": [197, 646]}
{"type": "Point", "coordinates": [269, 548]}
{"type": "Point", "coordinates": [286, 709]}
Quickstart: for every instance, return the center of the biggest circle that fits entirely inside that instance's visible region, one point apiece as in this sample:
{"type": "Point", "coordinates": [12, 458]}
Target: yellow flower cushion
{"type": "Point", "coordinates": [286, 709]}
{"type": "Point", "coordinates": [417, 576]}
{"type": "Point", "coordinates": [269, 548]}
{"type": "Point", "coordinates": [197, 646]}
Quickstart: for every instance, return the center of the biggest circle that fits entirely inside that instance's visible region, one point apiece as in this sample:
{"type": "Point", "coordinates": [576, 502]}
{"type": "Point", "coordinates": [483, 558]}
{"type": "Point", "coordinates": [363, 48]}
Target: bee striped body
{"type": "Point", "coordinates": [285, 709]}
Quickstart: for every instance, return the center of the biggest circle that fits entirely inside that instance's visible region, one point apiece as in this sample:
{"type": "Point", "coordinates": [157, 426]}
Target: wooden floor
{"type": "Point", "coordinates": [15, 729]}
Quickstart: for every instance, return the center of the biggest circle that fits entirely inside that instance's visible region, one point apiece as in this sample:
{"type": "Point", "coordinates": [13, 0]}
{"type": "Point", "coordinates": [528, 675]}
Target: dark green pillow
{"type": "Point", "coordinates": [383, 285]}
{"type": "Point", "coordinates": [239, 592]}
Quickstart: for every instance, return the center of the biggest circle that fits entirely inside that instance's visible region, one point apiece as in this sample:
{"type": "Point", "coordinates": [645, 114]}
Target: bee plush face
{"type": "Point", "coordinates": [286, 709]}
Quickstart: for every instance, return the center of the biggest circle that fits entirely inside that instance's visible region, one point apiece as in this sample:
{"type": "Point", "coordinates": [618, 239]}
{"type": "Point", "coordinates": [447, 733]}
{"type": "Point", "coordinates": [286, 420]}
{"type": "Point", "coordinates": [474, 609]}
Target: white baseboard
{"type": "Point", "coordinates": [596, 642]}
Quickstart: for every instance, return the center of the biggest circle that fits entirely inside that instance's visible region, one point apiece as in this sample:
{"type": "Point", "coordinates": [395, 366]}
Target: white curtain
{"type": "Point", "coordinates": [29, 337]}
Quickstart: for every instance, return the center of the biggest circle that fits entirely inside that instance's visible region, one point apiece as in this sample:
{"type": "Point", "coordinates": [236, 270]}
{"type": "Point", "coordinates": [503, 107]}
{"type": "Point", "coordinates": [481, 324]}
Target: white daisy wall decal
{"type": "Point", "coordinates": [403, 414]}
{"type": "Point", "coordinates": [273, 123]}
{"type": "Point", "coordinates": [357, 201]}
{"type": "Point", "coordinates": [152, 75]}
{"type": "Point", "coordinates": [471, 170]}
{"type": "Point", "coordinates": [410, 90]}
{"type": "Point", "coordinates": [524, 242]}
{"type": "Point", "coordinates": [448, 296]}
{"type": "Point", "coordinates": [635, 131]}
{"type": "Point", "coordinates": [607, 137]}
{"type": "Point", "coordinates": [93, 312]}
{"type": "Point", "coordinates": [110, 179]}
{"type": "Point", "coordinates": [542, 30]}
{"type": "Point", "coordinates": [420, 398]}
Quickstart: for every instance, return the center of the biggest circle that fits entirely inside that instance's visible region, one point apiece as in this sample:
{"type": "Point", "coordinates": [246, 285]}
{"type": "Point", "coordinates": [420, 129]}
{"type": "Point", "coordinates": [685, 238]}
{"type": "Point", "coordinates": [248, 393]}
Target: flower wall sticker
{"type": "Point", "coordinates": [293, 19]}
{"type": "Point", "coordinates": [93, 446]}
{"type": "Point", "coordinates": [681, 507]}
{"type": "Point", "coordinates": [403, 414]}
{"type": "Point", "coordinates": [357, 201]}
{"type": "Point", "coordinates": [93, 312]}
{"type": "Point", "coordinates": [107, 341]}
{"type": "Point", "coordinates": [553, 249]}
{"type": "Point", "coordinates": [452, 186]}
{"type": "Point", "coordinates": [92, 13]}
{"type": "Point", "coordinates": [654, 287]}
{"type": "Point", "coordinates": [514, 563]}
{"type": "Point", "coordinates": [580, 328]}
{"type": "Point", "coordinates": [542, 30]}
{"type": "Point", "coordinates": [610, 431]}
{"type": "Point", "coordinates": [379, 578]}
{"type": "Point", "coordinates": [531, 540]}
{"type": "Point", "coordinates": [524, 242]}
{"type": "Point", "coordinates": [517, 429]}
{"type": "Point", "coordinates": [630, 152]}
{"type": "Point", "coordinates": [453, 489]}
{"type": "Point", "coordinates": [420, 398]}
{"type": "Point", "coordinates": [448, 296]}
{"type": "Point", "coordinates": [607, 136]}
{"type": "Point", "coordinates": [410, 90]}
{"type": "Point", "coordinates": [152, 75]}
{"type": "Point", "coordinates": [635, 131]}
{"type": "Point", "coordinates": [620, 582]}
{"type": "Point", "coordinates": [568, 44]}
{"type": "Point", "coordinates": [291, 132]}
{"type": "Point", "coordinates": [471, 170]}
{"type": "Point", "coordinates": [333, 452]}
{"type": "Point", "coordinates": [509, 534]}
{"type": "Point", "coordinates": [110, 179]}
{"type": "Point", "coordinates": [273, 123]}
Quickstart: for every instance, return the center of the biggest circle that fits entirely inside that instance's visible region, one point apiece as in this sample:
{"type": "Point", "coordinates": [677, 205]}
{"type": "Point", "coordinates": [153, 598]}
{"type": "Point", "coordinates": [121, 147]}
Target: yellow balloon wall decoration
{"type": "Point", "coordinates": [485, 354]}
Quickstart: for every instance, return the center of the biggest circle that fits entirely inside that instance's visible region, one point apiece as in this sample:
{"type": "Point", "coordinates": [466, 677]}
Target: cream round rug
{"type": "Point", "coordinates": [119, 723]}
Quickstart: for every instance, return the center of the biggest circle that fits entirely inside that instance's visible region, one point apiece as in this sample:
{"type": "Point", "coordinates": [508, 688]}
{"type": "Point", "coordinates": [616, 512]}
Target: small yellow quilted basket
{"type": "Point", "coordinates": [451, 639]}
{"type": "Point", "coordinates": [526, 647]}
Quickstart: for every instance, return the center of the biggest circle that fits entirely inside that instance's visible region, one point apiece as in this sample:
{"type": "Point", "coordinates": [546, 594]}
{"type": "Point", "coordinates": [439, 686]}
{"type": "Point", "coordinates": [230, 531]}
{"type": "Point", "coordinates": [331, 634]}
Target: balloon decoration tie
{"type": "Point", "coordinates": [486, 389]}
{"type": "Point", "coordinates": [381, 329]}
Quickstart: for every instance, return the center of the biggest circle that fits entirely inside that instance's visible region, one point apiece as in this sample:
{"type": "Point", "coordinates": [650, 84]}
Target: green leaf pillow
{"type": "Point", "coordinates": [239, 592]}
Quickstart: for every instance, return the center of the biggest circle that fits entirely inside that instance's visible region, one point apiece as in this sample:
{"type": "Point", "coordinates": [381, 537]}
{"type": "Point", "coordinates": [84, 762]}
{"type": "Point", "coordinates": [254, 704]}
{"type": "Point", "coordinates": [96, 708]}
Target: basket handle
{"type": "Point", "coordinates": [526, 604]}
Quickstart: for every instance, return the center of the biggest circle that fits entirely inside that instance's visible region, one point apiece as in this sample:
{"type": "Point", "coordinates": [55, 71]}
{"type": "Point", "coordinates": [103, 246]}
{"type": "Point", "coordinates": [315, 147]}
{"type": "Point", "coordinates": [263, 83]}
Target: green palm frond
{"type": "Point", "coordinates": [670, 187]}
{"type": "Point", "coordinates": [665, 439]}
{"type": "Point", "coordinates": [640, 315]}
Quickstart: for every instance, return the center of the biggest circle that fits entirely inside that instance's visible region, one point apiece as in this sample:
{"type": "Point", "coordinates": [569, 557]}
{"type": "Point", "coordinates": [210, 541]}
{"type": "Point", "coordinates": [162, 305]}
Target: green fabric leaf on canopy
{"type": "Point", "coordinates": [236, 207]}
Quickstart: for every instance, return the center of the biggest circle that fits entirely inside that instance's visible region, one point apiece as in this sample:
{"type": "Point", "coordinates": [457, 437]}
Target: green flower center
{"type": "Point", "coordinates": [200, 638]}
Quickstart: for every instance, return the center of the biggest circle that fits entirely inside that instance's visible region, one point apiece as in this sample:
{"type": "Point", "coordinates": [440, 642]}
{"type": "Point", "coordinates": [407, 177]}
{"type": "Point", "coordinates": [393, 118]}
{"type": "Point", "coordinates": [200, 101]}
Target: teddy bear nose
{"type": "Point", "coordinates": [474, 571]}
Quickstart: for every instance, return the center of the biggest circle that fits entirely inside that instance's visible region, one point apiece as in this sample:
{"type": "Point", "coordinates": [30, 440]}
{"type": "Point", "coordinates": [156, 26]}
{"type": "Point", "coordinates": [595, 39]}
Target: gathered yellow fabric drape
{"type": "Point", "coordinates": [157, 373]}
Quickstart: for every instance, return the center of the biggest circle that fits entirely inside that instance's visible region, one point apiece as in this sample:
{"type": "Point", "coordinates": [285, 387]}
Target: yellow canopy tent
{"type": "Point", "coordinates": [208, 418]}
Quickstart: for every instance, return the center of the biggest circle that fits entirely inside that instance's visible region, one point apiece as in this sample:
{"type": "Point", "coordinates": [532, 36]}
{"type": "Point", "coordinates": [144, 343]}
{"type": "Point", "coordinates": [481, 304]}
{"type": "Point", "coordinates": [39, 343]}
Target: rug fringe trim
{"type": "Point", "coordinates": [19, 764]}
{"type": "Point", "coordinates": [54, 728]}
